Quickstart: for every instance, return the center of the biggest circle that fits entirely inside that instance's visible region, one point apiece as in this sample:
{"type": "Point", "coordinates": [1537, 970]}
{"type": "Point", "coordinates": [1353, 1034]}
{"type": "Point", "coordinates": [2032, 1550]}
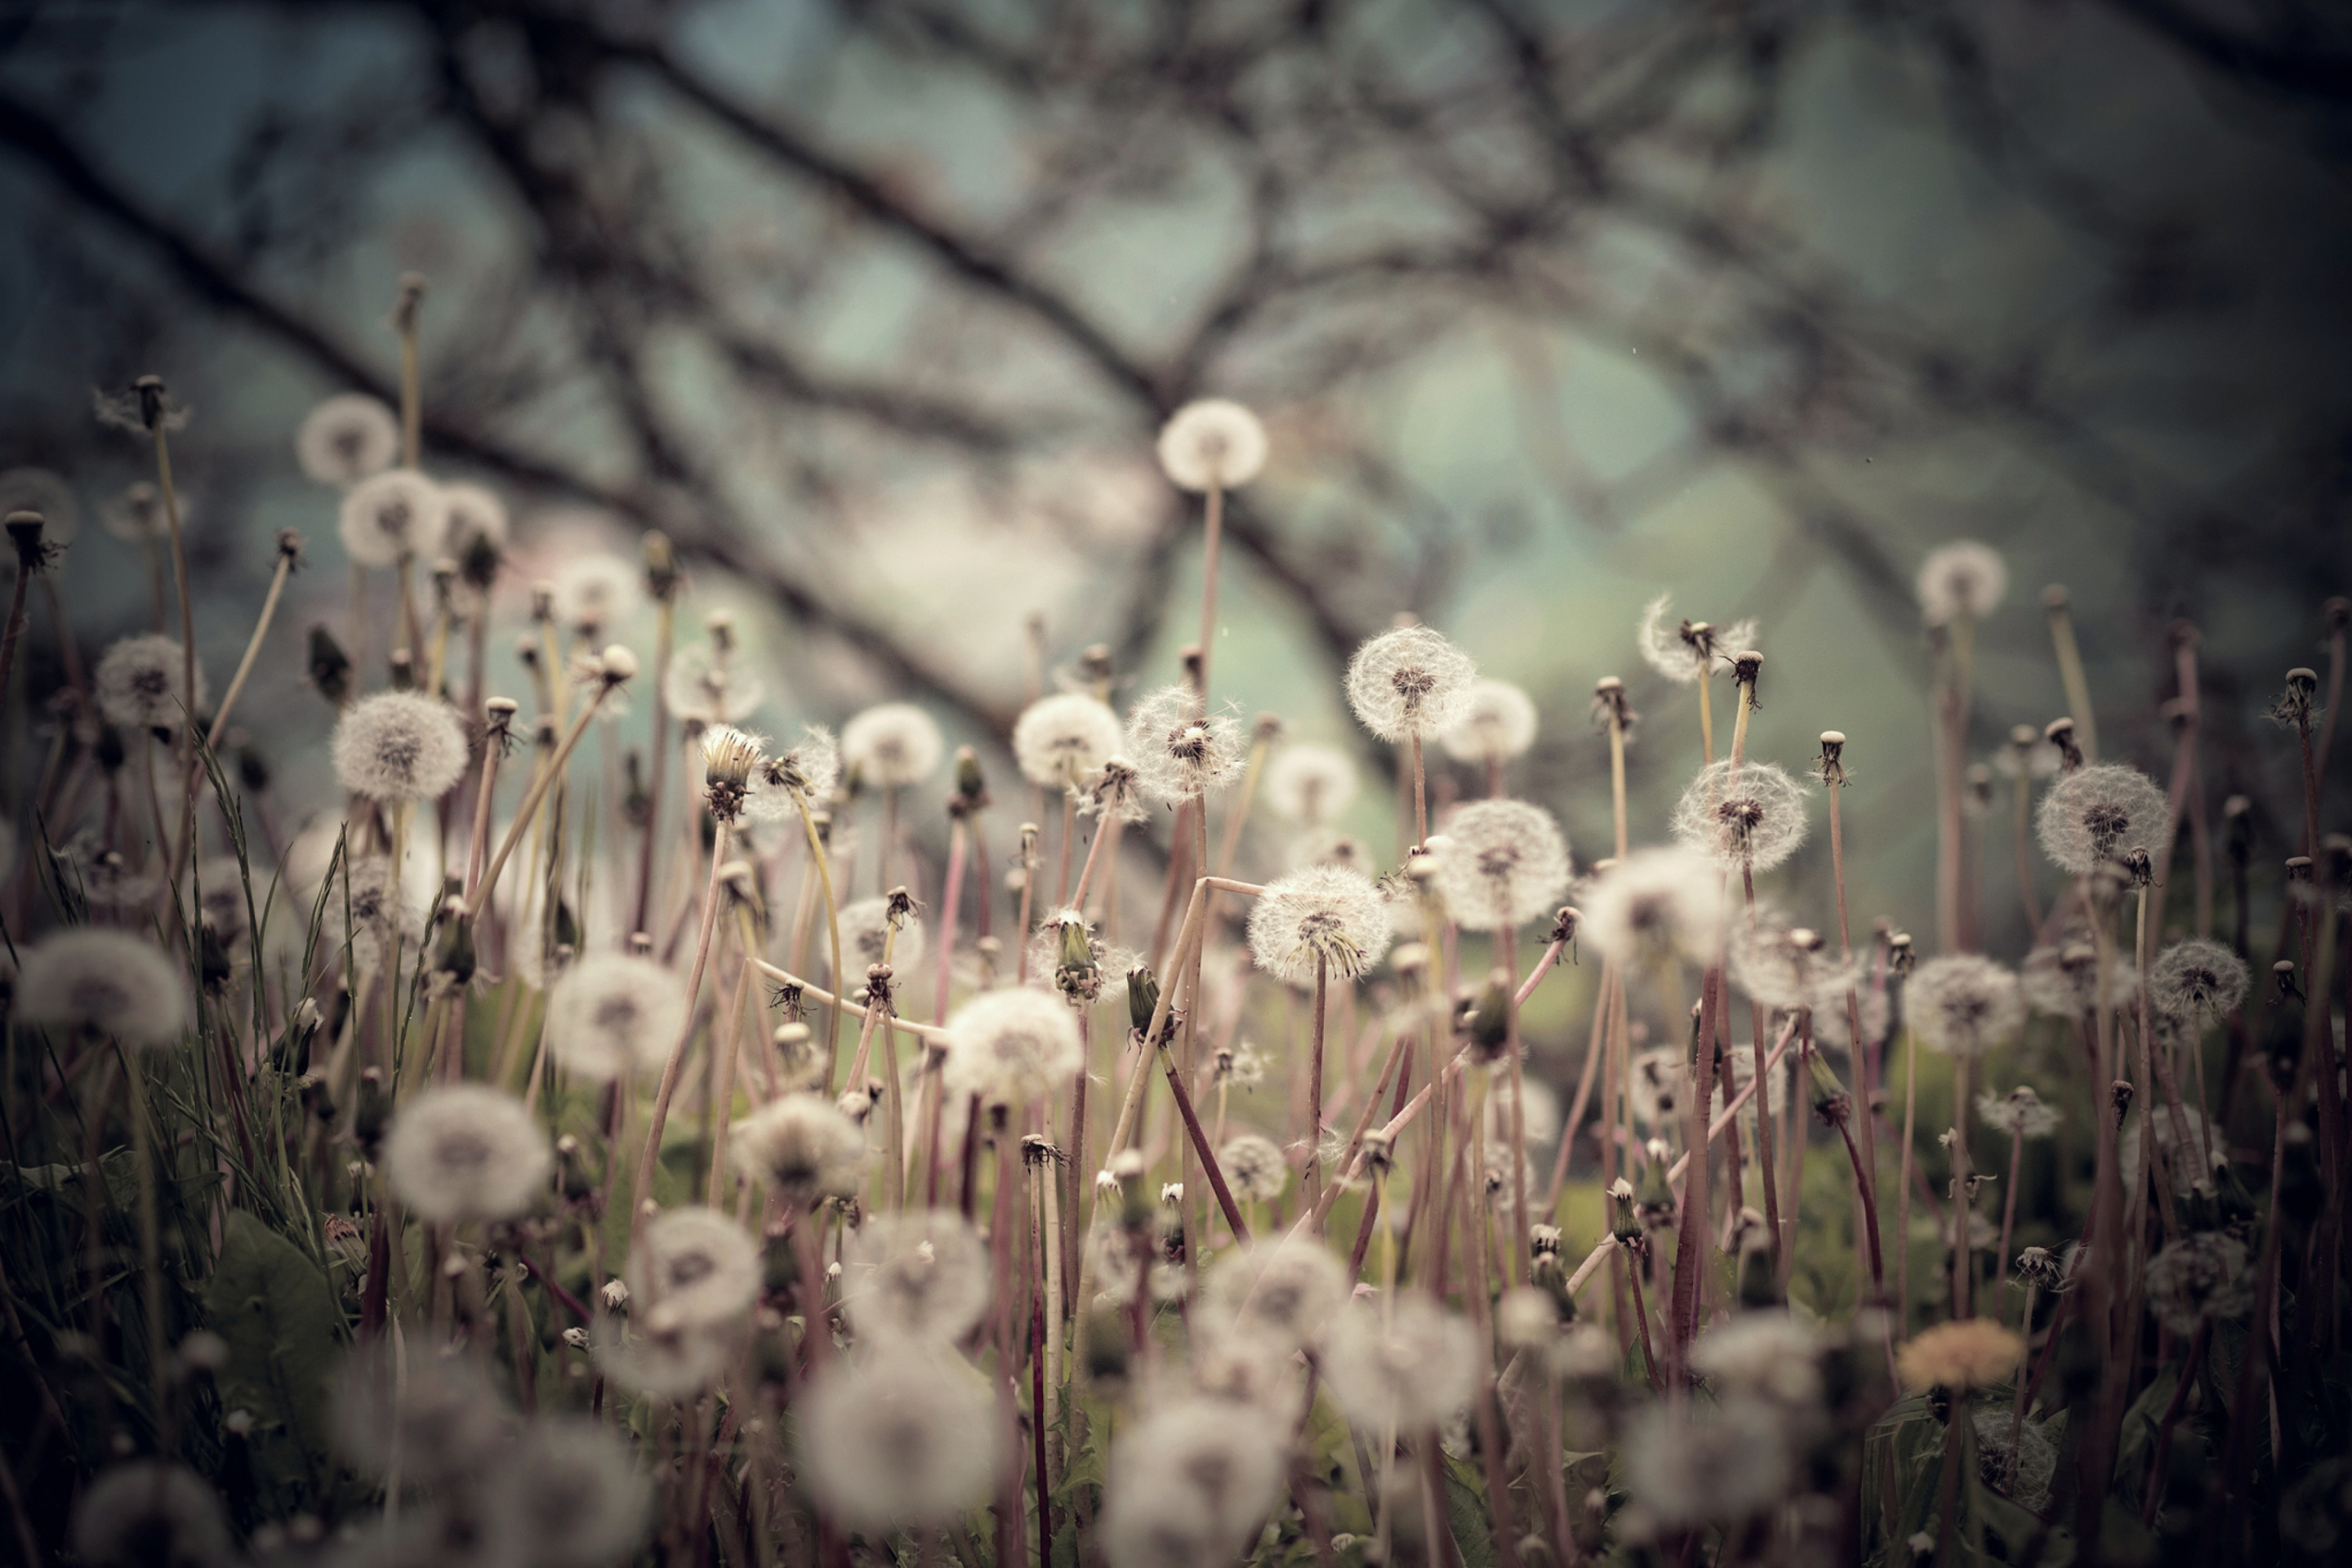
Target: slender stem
{"type": "Point", "coordinates": [1508, 940]}
{"type": "Point", "coordinates": [1420, 793]}
{"type": "Point", "coordinates": [150, 1247]}
{"type": "Point", "coordinates": [1964, 1208]}
{"type": "Point", "coordinates": [1312, 1186]}
{"type": "Point", "coordinates": [2021, 825]}
{"type": "Point", "coordinates": [665, 634]}
{"type": "Point", "coordinates": [1903, 1185]}
{"type": "Point", "coordinates": [252, 648]}
{"type": "Point", "coordinates": [2070, 674]}
{"type": "Point", "coordinates": [529, 810]}
{"type": "Point", "coordinates": [822, 862]}
{"type": "Point", "coordinates": [726, 1049]}
{"type": "Point", "coordinates": [950, 898]}
{"type": "Point", "coordinates": [1211, 538]}
{"type": "Point", "coordinates": [2008, 1209]}
{"type": "Point", "coordinates": [16, 628]}
{"type": "Point", "coordinates": [642, 1185]}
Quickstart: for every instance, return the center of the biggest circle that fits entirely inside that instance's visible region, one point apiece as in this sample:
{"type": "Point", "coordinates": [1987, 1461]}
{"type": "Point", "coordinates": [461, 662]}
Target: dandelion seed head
{"type": "Point", "coordinates": [2015, 1457]}
{"type": "Point", "coordinates": [865, 931]}
{"type": "Point", "coordinates": [1786, 966]}
{"type": "Point", "coordinates": [802, 1147]}
{"type": "Point", "coordinates": [567, 1492]}
{"type": "Point", "coordinates": [399, 746]}
{"type": "Point", "coordinates": [1833, 1028]}
{"type": "Point", "coordinates": [593, 592]}
{"type": "Point", "coordinates": [910, 1440]}
{"type": "Point", "coordinates": [1662, 1087]}
{"type": "Point", "coordinates": [346, 439]}
{"type": "Point", "coordinates": [104, 983]}
{"type": "Point", "coordinates": [1769, 1355]}
{"type": "Point", "coordinates": [137, 516]}
{"type": "Point", "coordinates": [1752, 815]}
{"type": "Point", "coordinates": [1687, 1466]}
{"type": "Point", "coordinates": [1963, 578]}
{"type": "Point", "coordinates": [804, 774]}
{"type": "Point", "coordinates": [2095, 813]}
{"type": "Point", "coordinates": [2062, 978]}
{"type": "Point", "coordinates": [2197, 981]}
{"type": "Point", "coordinates": [2198, 1277]}
{"type": "Point", "coordinates": [1213, 442]}
{"type": "Point", "coordinates": [1497, 722]}
{"type": "Point", "coordinates": [1683, 651]}
{"type": "Point", "coordinates": [465, 1150]}
{"type": "Point", "coordinates": [395, 513]}
{"type": "Point", "coordinates": [1964, 1005]}
{"type": "Point", "coordinates": [921, 1275]}
{"type": "Point", "coordinates": [148, 1513]}
{"type": "Point", "coordinates": [139, 683]}
{"type": "Point", "coordinates": [1655, 907]}
{"type": "Point", "coordinates": [891, 746]}
{"type": "Point", "coordinates": [1308, 784]}
{"type": "Point", "coordinates": [707, 686]}
{"type": "Point", "coordinates": [693, 1268]}
{"type": "Point", "coordinates": [478, 519]}
{"type": "Point", "coordinates": [1970, 1353]}
{"type": "Point", "coordinates": [668, 1360]}
{"type": "Point", "coordinates": [1189, 1466]}
{"type": "Point", "coordinates": [1181, 753]}
{"type": "Point", "coordinates": [1410, 682]}
{"type": "Point", "coordinates": [1063, 740]}
{"type": "Point", "coordinates": [1541, 1115]}
{"type": "Point", "coordinates": [1505, 863]}
{"type": "Point", "coordinates": [1319, 914]}
{"type": "Point", "coordinates": [2020, 1112]}
{"type": "Point", "coordinates": [1415, 1370]}
{"type": "Point", "coordinates": [619, 1014]}
{"type": "Point", "coordinates": [1254, 1168]}
{"type": "Point", "coordinates": [431, 1417]}
{"type": "Point", "coordinates": [1013, 1047]}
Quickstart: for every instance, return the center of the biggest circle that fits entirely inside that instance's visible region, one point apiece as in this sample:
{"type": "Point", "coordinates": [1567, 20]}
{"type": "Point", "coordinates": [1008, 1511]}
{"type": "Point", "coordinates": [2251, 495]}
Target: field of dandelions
{"type": "Point", "coordinates": [804, 1154]}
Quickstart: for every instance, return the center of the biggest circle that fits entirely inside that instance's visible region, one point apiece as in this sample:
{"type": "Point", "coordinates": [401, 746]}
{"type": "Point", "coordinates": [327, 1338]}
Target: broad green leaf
{"type": "Point", "coordinates": [285, 1334]}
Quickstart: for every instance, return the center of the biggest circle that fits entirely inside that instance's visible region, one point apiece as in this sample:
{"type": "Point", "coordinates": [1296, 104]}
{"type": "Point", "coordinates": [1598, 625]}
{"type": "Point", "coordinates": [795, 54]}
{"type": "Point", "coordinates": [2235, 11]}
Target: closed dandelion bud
{"type": "Point", "coordinates": [1830, 1101]}
{"type": "Point", "coordinates": [1142, 999]}
{"type": "Point", "coordinates": [661, 567]}
{"type": "Point", "coordinates": [1623, 1225]}
{"type": "Point", "coordinates": [1759, 1286]}
{"type": "Point", "coordinates": [1488, 1022]}
{"type": "Point", "coordinates": [213, 965]}
{"type": "Point", "coordinates": [373, 1114]}
{"type": "Point", "coordinates": [330, 667]}
{"type": "Point", "coordinates": [25, 535]}
{"type": "Point", "coordinates": [402, 670]}
{"type": "Point", "coordinates": [1655, 1201]}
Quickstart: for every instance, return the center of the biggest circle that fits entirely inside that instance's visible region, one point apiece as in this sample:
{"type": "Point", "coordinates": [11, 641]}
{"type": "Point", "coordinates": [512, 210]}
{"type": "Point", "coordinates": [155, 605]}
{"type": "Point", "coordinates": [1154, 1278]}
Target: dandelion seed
{"type": "Point", "coordinates": [140, 683]}
{"type": "Point", "coordinates": [1010, 1048]}
{"type": "Point", "coordinates": [395, 513]}
{"type": "Point", "coordinates": [346, 439]}
{"type": "Point", "coordinates": [1414, 1370]}
{"type": "Point", "coordinates": [1321, 914]}
{"type": "Point", "coordinates": [595, 592]}
{"type": "Point", "coordinates": [399, 746]}
{"type": "Point", "coordinates": [1972, 1354]}
{"type": "Point", "coordinates": [2197, 981]}
{"type": "Point", "coordinates": [802, 1148]}
{"type": "Point", "coordinates": [567, 1494]}
{"type": "Point", "coordinates": [1063, 740]}
{"type": "Point", "coordinates": [1686, 1466]}
{"type": "Point", "coordinates": [464, 1151]}
{"type": "Point", "coordinates": [1308, 784]}
{"type": "Point", "coordinates": [1502, 863]}
{"type": "Point", "coordinates": [891, 746]}
{"type": "Point", "coordinates": [694, 1267]}
{"type": "Point", "coordinates": [1963, 1005]}
{"type": "Point", "coordinates": [1409, 683]}
{"type": "Point", "coordinates": [1963, 578]}
{"type": "Point", "coordinates": [619, 1014]}
{"type": "Point", "coordinates": [103, 983]}
{"type": "Point", "coordinates": [1497, 722]}
{"type": "Point", "coordinates": [2095, 813]}
{"type": "Point", "coordinates": [1254, 1168]}
{"type": "Point", "coordinates": [149, 1513]}
{"type": "Point", "coordinates": [1190, 1460]}
{"type": "Point", "coordinates": [1752, 815]}
{"type": "Point", "coordinates": [2020, 1112]}
{"type": "Point", "coordinates": [909, 1441]}
{"type": "Point", "coordinates": [919, 1276]}
{"type": "Point", "coordinates": [1181, 753]}
{"type": "Point", "coordinates": [1685, 653]}
{"type": "Point", "coordinates": [1653, 908]}
{"type": "Point", "coordinates": [1212, 444]}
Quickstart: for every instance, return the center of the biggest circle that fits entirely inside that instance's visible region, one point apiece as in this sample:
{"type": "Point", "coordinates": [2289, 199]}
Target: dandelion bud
{"type": "Point", "coordinates": [1488, 1020]}
{"type": "Point", "coordinates": [1901, 958]}
{"type": "Point", "coordinates": [404, 669]}
{"type": "Point", "coordinates": [661, 567]}
{"type": "Point", "coordinates": [729, 756]}
{"type": "Point", "coordinates": [1142, 999]}
{"type": "Point", "coordinates": [1655, 1202]}
{"type": "Point", "coordinates": [2119, 1094]}
{"type": "Point", "coordinates": [25, 533]}
{"type": "Point", "coordinates": [452, 957]}
{"type": "Point", "coordinates": [1624, 1226]}
{"type": "Point", "coordinates": [971, 784]}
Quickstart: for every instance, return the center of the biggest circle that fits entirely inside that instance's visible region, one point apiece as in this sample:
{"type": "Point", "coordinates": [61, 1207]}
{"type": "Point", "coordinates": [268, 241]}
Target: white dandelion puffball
{"type": "Point", "coordinates": [921, 1275]}
{"type": "Point", "coordinates": [1752, 815]}
{"type": "Point", "coordinates": [139, 683]}
{"type": "Point", "coordinates": [693, 1268]}
{"type": "Point", "coordinates": [1064, 738]}
{"type": "Point", "coordinates": [1504, 863]}
{"type": "Point", "coordinates": [1497, 722]}
{"type": "Point", "coordinates": [1307, 785]}
{"type": "Point", "coordinates": [676, 1362]}
{"type": "Point", "coordinates": [1181, 753]}
{"type": "Point", "coordinates": [2096, 814]}
{"type": "Point", "coordinates": [1682, 651]}
{"type": "Point", "coordinates": [1963, 1005]}
{"type": "Point", "coordinates": [1415, 1370]}
{"type": "Point", "coordinates": [618, 1014]}
{"type": "Point", "coordinates": [1224, 1475]}
{"type": "Point", "coordinates": [803, 775]}
{"type": "Point", "coordinates": [706, 687]}
{"type": "Point", "coordinates": [1010, 1048]}
{"type": "Point", "coordinates": [2198, 1277]}
{"type": "Point", "coordinates": [910, 1440]}
{"type": "Point", "coordinates": [102, 981]}
{"type": "Point", "coordinates": [2020, 1112]}
{"type": "Point", "coordinates": [2209, 1145]}
{"type": "Point", "coordinates": [1661, 1084]}
{"type": "Point", "coordinates": [1541, 1115]}
{"type": "Point", "coordinates": [2197, 981]}
{"type": "Point", "coordinates": [802, 1147]}
{"type": "Point", "coordinates": [475, 516]}
{"type": "Point", "coordinates": [399, 746]}
{"type": "Point", "coordinates": [1833, 1026]}
{"type": "Point", "coordinates": [1408, 683]}
{"type": "Point", "coordinates": [41, 490]}
{"type": "Point", "coordinates": [1963, 578]}
{"type": "Point", "coordinates": [1655, 907]}
{"type": "Point", "coordinates": [432, 1419]}
{"type": "Point", "coordinates": [1686, 1465]}
{"type": "Point", "coordinates": [395, 513]}
{"type": "Point", "coordinates": [1213, 444]}
{"type": "Point", "coordinates": [596, 590]}
{"type": "Point", "coordinates": [567, 1492]}
{"type": "Point", "coordinates": [1787, 966]}
{"type": "Point", "coordinates": [1284, 1288]}
{"type": "Point", "coordinates": [149, 1514]}
{"type": "Point", "coordinates": [1322, 915]}
{"type": "Point", "coordinates": [865, 931]}
{"type": "Point", "coordinates": [1768, 1354]}
{"type": "Point", "coordinates": [1254, 1167]}
{"type": "Point", "coordinates": [349, 437]}
{"type": "Point", "coordinates": [2062, 979]}
{"type": "Point", "coordinates": [891, 746]}
{"type": "Point", "coordinates": [137, 516]}
{"type": "Point", "coordinates": [464, 1151]}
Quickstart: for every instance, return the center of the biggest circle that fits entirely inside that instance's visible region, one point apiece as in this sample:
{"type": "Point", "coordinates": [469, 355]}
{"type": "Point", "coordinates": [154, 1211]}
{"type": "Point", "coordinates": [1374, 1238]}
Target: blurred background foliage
{"type": "Point", "coordinates": [1549, 307]}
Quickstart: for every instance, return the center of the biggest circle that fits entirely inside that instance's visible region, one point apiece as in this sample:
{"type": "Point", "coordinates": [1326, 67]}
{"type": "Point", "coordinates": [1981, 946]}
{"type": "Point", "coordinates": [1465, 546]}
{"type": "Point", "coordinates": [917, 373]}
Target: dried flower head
{"type": "Point", "coordinates": [346, 439]}
{"type": "Point", "coordinates": [1963, 1005]}
{"type": "Point", "coordinates": [1655, 907]}
{"type": "Point", "coordinates": [2197, 981]}
{"type": "Point", "coordinates": [1661, 1087]}
{"type": "Point", "coordinates": [708, 685]}
{"type": "Point", "coordinates": [920, 1274]}
{"type": "Point", "coordinates": [1415, 1370]}
{"type": "Point", "coordinates": [1181, 753]}
{"type": "Point", "coordinates": [105, 983]}
{"type": "Point", "coordinates": [139, 683]}
{"type": "Point", "coordinates": [802, 1147]}
{"type": "Point", "coordinates": [1497, 722]}
{"type": "Point", "coordinates": [399, 746]}
{"type": "Point", "coordinates": [1321, 915]}
{"type": "Point", "coordinates": [730, 757]}
{"type": "Point", "coordinates": [1308, 784]}
{"type": "Point", "coordinates": [1010, 1048]}
{"type": "Point", "coordinates": [2198, 1277]}
{"type": "Point", "coordinates": [1409, 683]}
{"type": "Point", "coordinates": [395, 513]}
{"type": "Point", "coordinates": [1189, 1484]}
{"type": "Point", "coordinates": [891, 746]}
{"type": "Point", "coordinates": [465, 1150]}
{"type": "Point", "coordinates": [1063, 740]}
{"type": "Point", "coordinates": [1963, 578]}
{"type": "Point", "coordinates": [1212, 444]}
{"type": "Point", "coordinates": [2095, 813]}
{"type": "Point", "coordinates": [1974, 1353]}
{"type": "Point", "coordinates": [2020, 1112]}
{"type": "Point", "coordinates": [693, 1268]}
{"type": "Point", "coordinates": [619, 1014]}
{"type": "Point", "coordinates": [908, 1440]}
{"type": "Point", "coordinates": [1687, 1465]}
{"type": "Point", "coordinates": [148, 1513]}
{"type": "Point", "coordinates": [1752, 815]}
{"type": "Point", "coordinates": [593, 592]}
{"type": "Point", "coordinates": [2062, 979]}
{"type": "Point", "coordinates": [567, 1492]}
{"type": "Point", "coordinates": [1254, 1167]}
{"type": "Point", "coordinates": [1684, 652]}
{"type": "Point", "coordinates": [1501, 864]}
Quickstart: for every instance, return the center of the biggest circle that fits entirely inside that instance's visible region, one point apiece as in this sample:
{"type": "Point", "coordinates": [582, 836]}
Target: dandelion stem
{"type": "Point", "coordinates": [150, 1247]}
{"type": "Point", "coordinates": [16, 628]}
{"type": "Point", "coordinates": [665, 636]}
{"type": "Point", "coordinates": [1903, 1184]}
{"type": "Point", "coordinates": [2009, 1208]}
{"type": "Point", "coordinates": [1211, 538]}
{"type": "Point", "coordinates": [1312, 1186]}
{"type": "Point", "coordinates": [252, 648]}
{"type": "Point", "coordinates": [2069, 673]}
{"type": "Point", "coordinates": [642, 1185]}
{"type": "Point", "coordinates": [722, 1097]}
{"type": "Point", "coordinates": [528, 812]}
{"type": "Point", "coordinates": [1420, 793]}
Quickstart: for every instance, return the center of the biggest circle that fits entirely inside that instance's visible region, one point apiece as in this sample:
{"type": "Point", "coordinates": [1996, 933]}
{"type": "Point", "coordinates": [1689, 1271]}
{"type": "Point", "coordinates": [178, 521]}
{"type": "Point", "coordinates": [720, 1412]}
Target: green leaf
{"type": "Point", "coordinates": [1465, 1512]}
{"type": "Point", "coordinates": [285, 1334]}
